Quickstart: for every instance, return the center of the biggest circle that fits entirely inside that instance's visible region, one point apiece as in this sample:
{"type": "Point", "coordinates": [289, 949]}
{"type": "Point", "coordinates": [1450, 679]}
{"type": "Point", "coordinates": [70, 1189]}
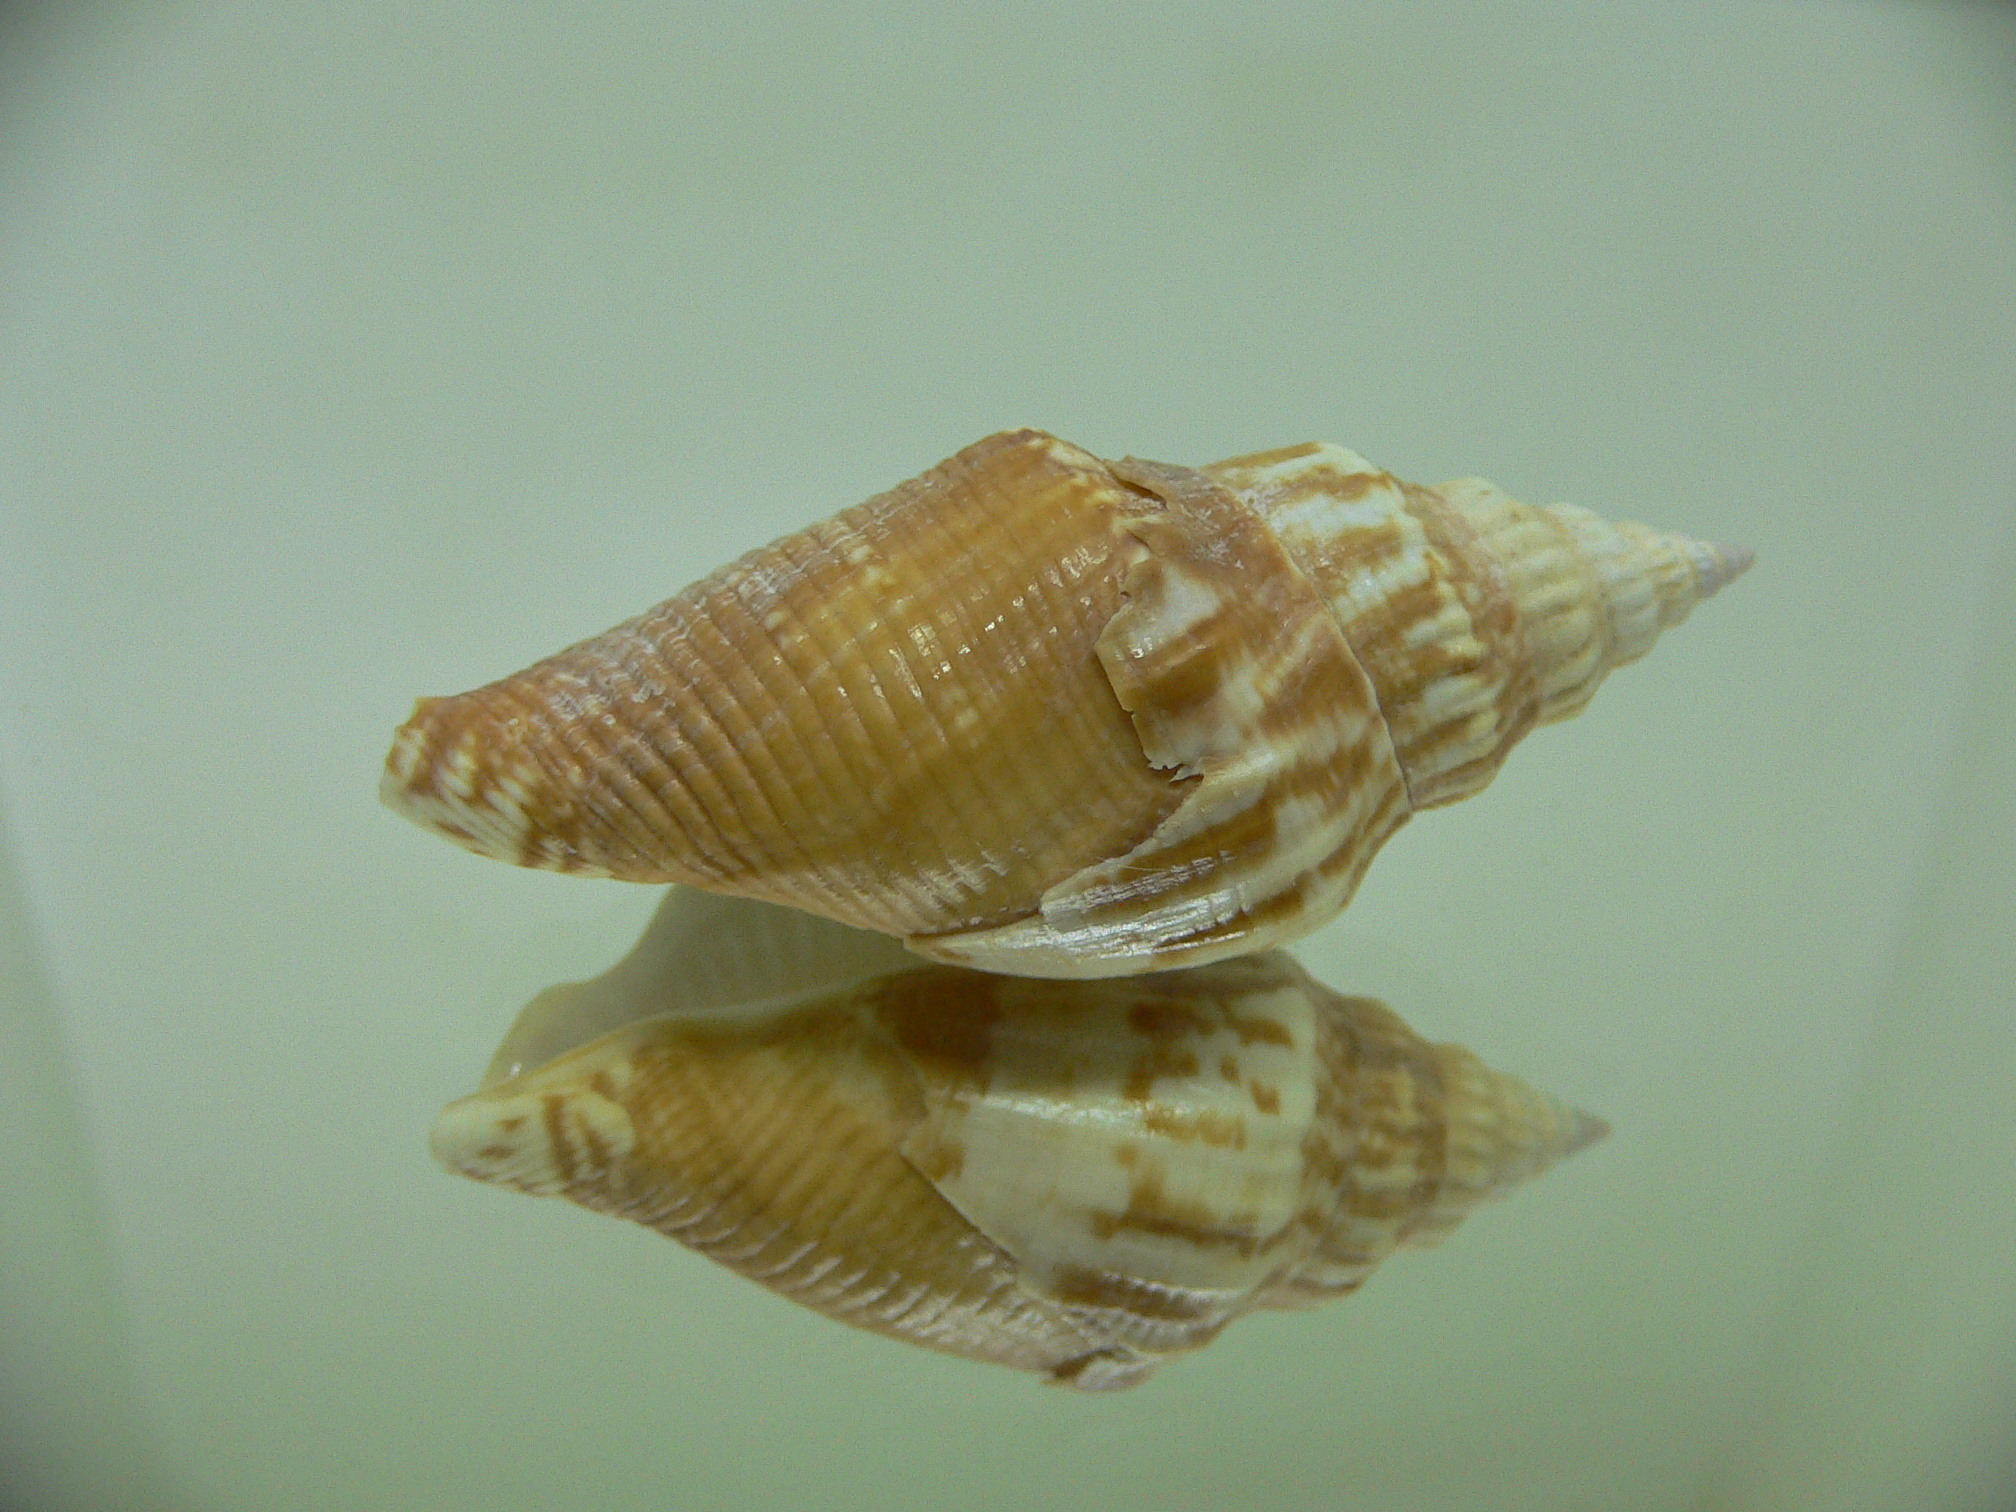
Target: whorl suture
{"type": "Point", "coordinates": [1053, 716]}
{"type": "Point", "coordinates": [1080, 1179]}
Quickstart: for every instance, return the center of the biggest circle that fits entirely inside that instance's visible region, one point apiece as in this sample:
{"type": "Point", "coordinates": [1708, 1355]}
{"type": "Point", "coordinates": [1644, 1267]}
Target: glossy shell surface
{"type": "Point", "coordinates": [1047, 715]}
{"type": "Point", "coordinates": [1077, 1178]}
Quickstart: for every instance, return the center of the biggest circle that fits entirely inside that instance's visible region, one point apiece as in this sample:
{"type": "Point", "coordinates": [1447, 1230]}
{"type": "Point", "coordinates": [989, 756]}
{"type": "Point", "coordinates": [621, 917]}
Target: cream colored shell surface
{"type": "Point", "coordinates": [1051, 716]}
{"type": "Point", "coordinates": [1476, 616]}
{"type": "Point", "coordinates": [1081, 1179]}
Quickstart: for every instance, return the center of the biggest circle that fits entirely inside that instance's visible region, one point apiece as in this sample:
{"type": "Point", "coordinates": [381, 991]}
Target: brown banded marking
{"type": "Point", "coordinates": [1419, 604]}
{"type": "Point", "coordinates": [1234, 672]}
{"type": "Point", "coordinates": [1476, 616]}
{"type": "Point", "coordinates": [1467, 695]}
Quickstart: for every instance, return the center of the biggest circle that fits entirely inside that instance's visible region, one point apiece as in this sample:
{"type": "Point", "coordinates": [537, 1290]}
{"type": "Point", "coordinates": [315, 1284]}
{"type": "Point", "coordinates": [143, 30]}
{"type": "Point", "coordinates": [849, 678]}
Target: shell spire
{"type": "Point", "coordinates": [1476, 616]}
{"type": "Point", "coordinates": [1080, 1179]}
{"type": "Point", "coordinates": [1052, 716]}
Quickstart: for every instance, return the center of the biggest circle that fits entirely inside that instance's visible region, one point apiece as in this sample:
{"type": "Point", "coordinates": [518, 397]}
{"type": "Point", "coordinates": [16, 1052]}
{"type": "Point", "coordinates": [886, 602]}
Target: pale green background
{"type": "Point", "coordinates": [355, 351]}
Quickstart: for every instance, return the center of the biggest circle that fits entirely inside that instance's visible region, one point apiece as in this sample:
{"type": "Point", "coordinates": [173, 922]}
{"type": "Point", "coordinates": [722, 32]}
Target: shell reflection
{"type": "Point", "coordinates": [1080, 1179]}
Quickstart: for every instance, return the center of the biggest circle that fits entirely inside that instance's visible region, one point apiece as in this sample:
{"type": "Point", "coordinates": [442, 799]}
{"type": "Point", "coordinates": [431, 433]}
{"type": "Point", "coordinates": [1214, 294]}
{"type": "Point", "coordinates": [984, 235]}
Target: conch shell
{"type": "Point", "coordinates": [1052, 716]}
{"type": "Point", "coordinates": [1080, 1179]}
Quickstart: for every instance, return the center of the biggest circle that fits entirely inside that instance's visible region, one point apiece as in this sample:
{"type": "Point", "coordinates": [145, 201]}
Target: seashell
{"type": "Point", "coordinates": [1077, 1178]}
{"type": "Point", "coordinates": [1052, 716]}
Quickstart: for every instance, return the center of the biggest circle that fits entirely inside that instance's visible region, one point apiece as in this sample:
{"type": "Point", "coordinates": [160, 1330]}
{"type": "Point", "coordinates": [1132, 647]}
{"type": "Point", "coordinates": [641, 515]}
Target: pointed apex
{"type": "Point", "coordinates": [1715, 567]}
{"type": "Point", "coordinates": [1587, 1129]}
